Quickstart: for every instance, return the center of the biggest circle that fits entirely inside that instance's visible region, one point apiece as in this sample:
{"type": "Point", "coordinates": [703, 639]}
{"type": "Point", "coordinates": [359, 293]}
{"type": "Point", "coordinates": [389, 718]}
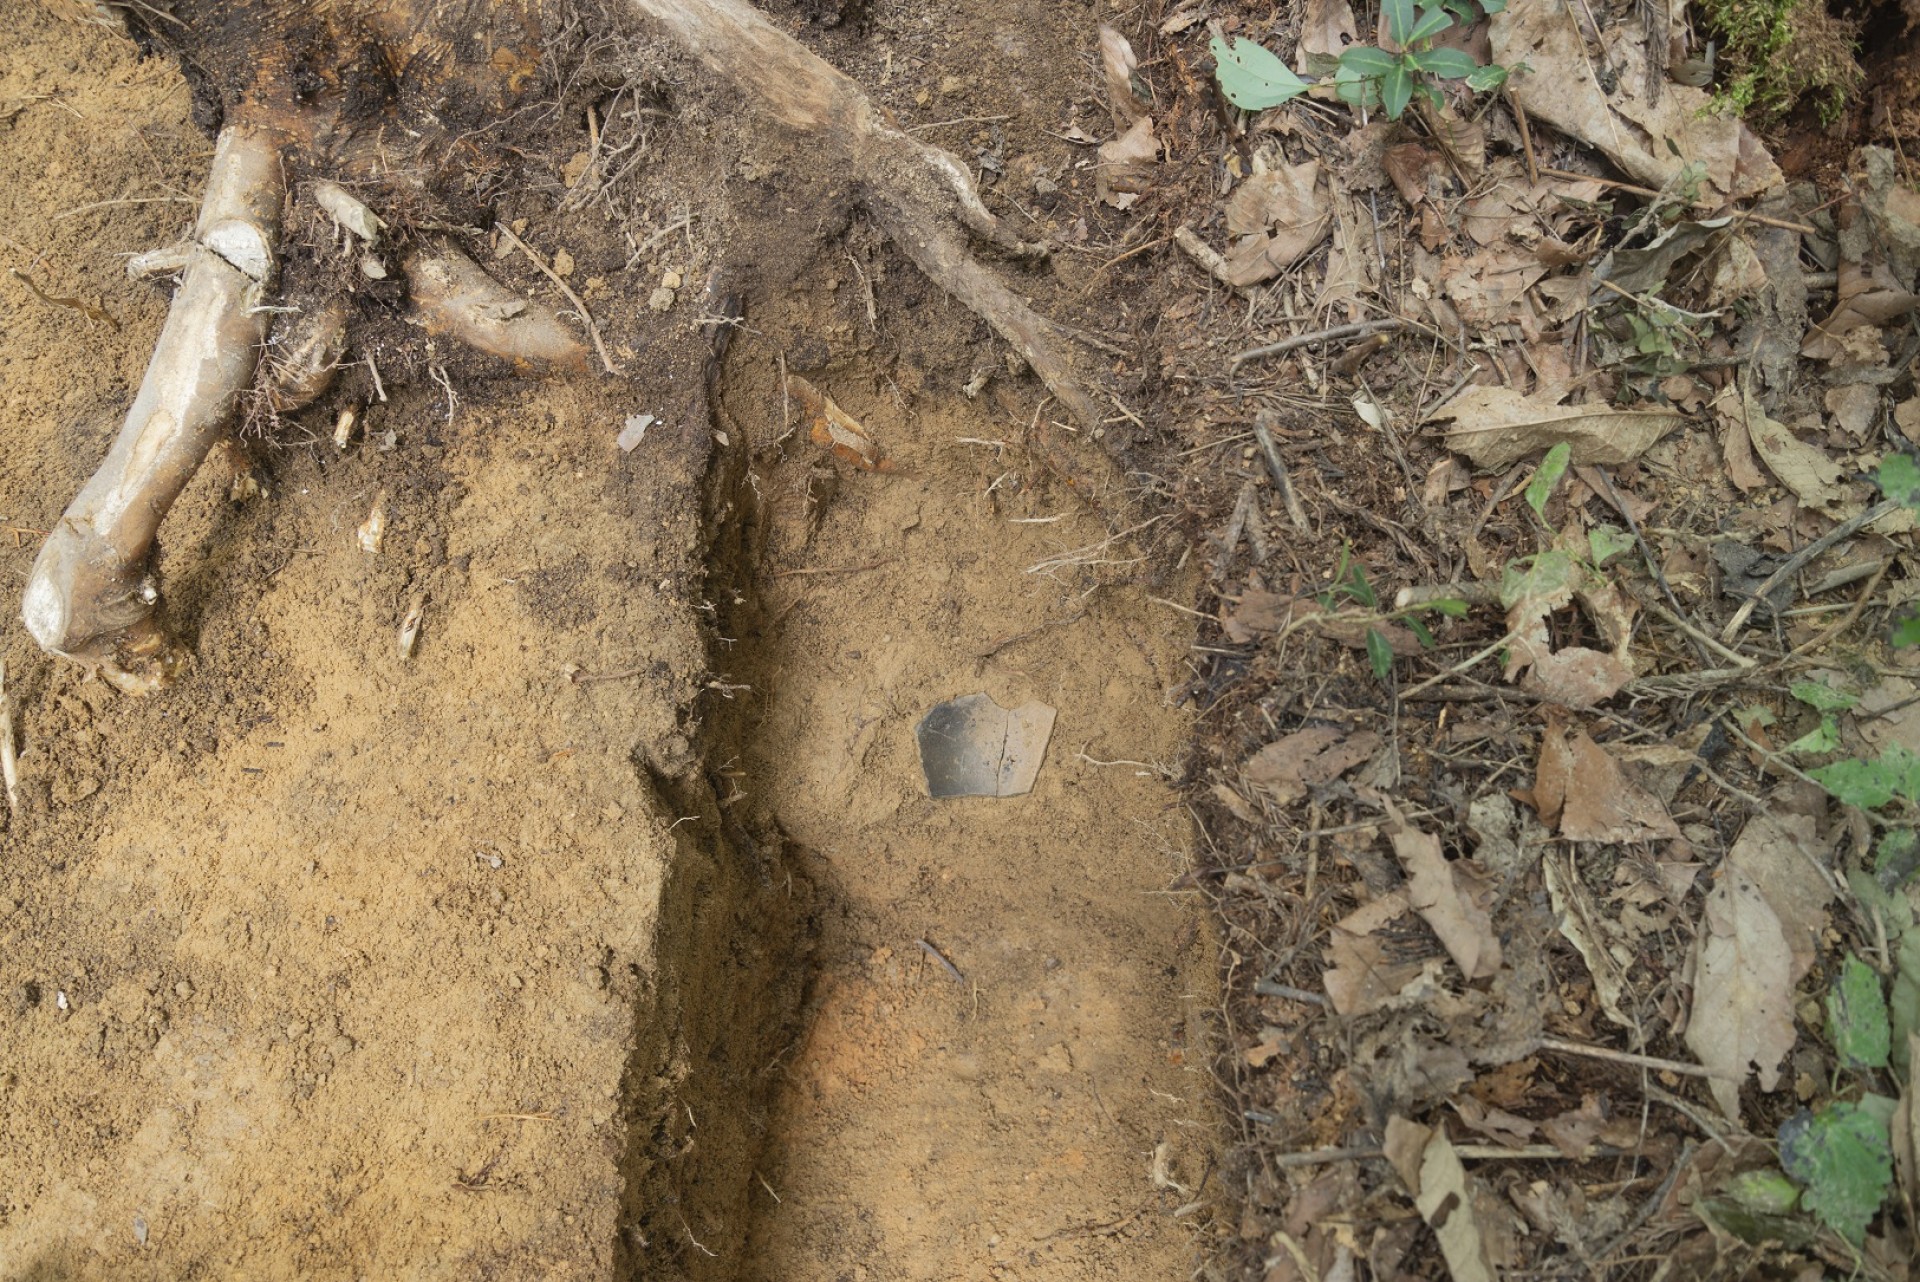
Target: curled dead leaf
{"type": "Point", "coordinates": [1453, 897]}
{"type": "Point", "coordinates": [1580, 786]}
{"type": "Point", "coordinates": [1289, 768]}
{"type": "Point", "coordinates": [1280, 215]}
{"type": "Point", "coordinates": [1126, 164]}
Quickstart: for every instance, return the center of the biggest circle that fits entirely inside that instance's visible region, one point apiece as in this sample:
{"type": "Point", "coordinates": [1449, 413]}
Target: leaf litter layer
{"type": "Point", "coordinates": [1546, 451]}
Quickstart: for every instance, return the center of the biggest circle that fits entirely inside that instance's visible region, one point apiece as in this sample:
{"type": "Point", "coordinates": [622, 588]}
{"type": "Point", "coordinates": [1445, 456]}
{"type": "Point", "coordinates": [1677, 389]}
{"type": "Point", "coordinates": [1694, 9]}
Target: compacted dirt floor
{"type": "Point", "coordinates": [612, 933]}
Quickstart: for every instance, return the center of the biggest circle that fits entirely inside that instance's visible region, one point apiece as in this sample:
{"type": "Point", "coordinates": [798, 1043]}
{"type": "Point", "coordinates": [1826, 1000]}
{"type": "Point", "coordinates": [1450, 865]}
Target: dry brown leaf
{"type": "Point", "coordinates": [1497, 427]}
{"type": "Point", "coordinates": [1906, 417]}
{"type": "Point", "coordinates": [1780, 855]}
{"type": "Point", "coordinates": [1490, 288]}
{"type": "Point", "coordinates": [1736, 446]}
{"type": "Point", "coordinates": [1326, 28]}
{"type": "Point", "coordinates": [1653, 141]}
{"type": "Point", "coordinates": [1496, 1124]}
{"type": "Point", "coordinates": [1573, 677]}
{"type": "Point", "coordinates": [1125, 164]}
{"type": "Point", "coordinates": [831, 426]}
{"type": "Point", "coordinates": [1282, 214]}
{"type": "Point", "coordinates": [1446, 1202]}
{"type": "Point", "coordinates": [1906, 1131]}
{"type": "Point", "coordinates": [1290, 767]}
{"type": "Point", "coordinates": [1583, 785]}
{"type": "Point", "coordinates": [1404, 1143]}
{"type": "Point", "coordinates": [1742, 1017]}
{"type": "Point", "coordinates": [1865, 296]}
{"type": "Point", "coordinates": [1361, 978]}
{"type": "Point", "coordinates": [1410, 166]}
{"type": "Point", "coordinates": [1805, 469]}
{"type": "Point", "coordinates": [1453, 897]}
{"type": "Point", "coordinates": [1266, 613]}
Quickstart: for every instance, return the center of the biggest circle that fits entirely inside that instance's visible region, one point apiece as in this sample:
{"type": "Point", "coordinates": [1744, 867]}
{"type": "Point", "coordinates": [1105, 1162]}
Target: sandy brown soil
{"type": "Point", "coordinates": [328, 964]}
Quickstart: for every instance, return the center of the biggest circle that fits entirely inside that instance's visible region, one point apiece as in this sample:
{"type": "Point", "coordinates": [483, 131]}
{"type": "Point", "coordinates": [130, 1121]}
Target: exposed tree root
{"type": "Point", "coordinates": [920, 195]}
{"type": "Point", "coordinates": [92, 595]}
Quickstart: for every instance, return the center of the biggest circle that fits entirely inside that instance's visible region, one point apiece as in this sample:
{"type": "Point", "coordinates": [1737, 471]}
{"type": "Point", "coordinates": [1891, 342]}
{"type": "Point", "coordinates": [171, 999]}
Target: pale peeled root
{"type": "Point", "coordinates": [92, 595]}
{"type": "Point", "coordinates": [920, 195]}
{"type": "Point", "coordinates": [453, 296]}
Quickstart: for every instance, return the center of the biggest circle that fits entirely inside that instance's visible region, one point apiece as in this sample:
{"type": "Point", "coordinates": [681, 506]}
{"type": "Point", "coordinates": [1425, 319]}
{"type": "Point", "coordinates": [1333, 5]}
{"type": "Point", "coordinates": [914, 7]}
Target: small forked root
{"type": "Point", "coordinates": [920, 195]}
{"type": "Point", "coordinates": [92, 595]}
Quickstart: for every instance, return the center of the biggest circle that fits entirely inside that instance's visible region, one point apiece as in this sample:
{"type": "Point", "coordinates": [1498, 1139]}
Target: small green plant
{"type": "Point", "coordinates": [1365, 76]}
{"type": "Point", "coordinates": [1350, 585]}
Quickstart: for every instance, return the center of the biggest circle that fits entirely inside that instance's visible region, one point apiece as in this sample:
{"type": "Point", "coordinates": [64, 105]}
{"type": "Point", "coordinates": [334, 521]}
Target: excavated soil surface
{"type": "Point", "coordinates": [612, 933]}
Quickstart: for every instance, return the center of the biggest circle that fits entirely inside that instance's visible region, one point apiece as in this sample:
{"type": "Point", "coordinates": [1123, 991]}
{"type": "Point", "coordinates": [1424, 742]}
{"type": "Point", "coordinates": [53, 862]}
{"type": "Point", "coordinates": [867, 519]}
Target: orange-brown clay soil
{"type": "Point", "coordinates": [327, 963]}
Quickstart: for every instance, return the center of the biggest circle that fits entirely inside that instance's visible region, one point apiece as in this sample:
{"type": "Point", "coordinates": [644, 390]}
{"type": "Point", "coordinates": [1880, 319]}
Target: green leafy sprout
{"type": "Point", "coordinates": [1350, 585]}
{"type": "Point", "coordinates": [1367, 77]}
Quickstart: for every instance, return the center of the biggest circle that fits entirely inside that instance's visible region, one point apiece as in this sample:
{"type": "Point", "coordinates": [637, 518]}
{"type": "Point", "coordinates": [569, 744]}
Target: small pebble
{"type": "Point", "coordinates": [662, 299]}
{"type": "Point", "coordinates": [670, 280]}
{"type": "Point", "coordinates": [183, 990]}
{"type": "Point", "coordinates": [562, 263]}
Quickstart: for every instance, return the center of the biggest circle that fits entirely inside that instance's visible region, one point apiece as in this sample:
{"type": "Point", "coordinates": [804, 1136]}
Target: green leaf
{"type": "Point", "coordinates": [1906, 632]}
{"type": "Point", "coordinates": [1871, 784]}
{"type": "Point", "coordinates": [1251, 77]}
{"type": "Point", "coordinates": [1396, 90]}
{"type": "Point", "coordinates": [1485, 78]}
{"type": "Point", "coordinates": [1896, 858]}
{"type": "Point", "coordinates": [1494, 6]}
{"type": "Point", "coordinates": [1448, 64]}
{"type": "Point", "coordinates": [1359, 589]}
{"type": "Point", "coordinates": [1767, 1192]}
{"type": "Point", "coordinates": [1605, 542]}
{"type": "Point", "coordinates": [1380, 653]}
{"type": "Point", "coordinates": [1452, 607]}
{"type": "Point", "coordinates": [1822, 738]}
{"type": "Point", "coordinates": [1904, 1004]}
{"type": "Point", "coordinates": [1899, 479]}
{"type": "Point", "coordinates": [1420, 632]}
{"type": "Point", "coordinates": [1857, 1021]}
{"type": "Point", "coordinates": [1822, 697]}
{"type": "Point", "coordinates": [1547, 476]}
{"type": "Point", "coordinates": [1842, 1159]}
{"type": "Point", "coordinates": [1432, 22]}
{"type": "Point", "coordinates": [1365, 60]}
{"type": "Point", "coordinates": [1544, 577]}
{"type": "Point", "coordinates": [1399, 16]}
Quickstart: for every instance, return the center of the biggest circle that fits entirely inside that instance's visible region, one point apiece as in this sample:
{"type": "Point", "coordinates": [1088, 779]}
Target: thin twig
{"type": "Point", "coordinates": [1859, 608]}
{"type": "Point", "coordinates": [1628, 1057]}
{"type": "Point", "coordinates": [941, 957]}
{"type": "Point", "coordinates": [586, 317]}
{"type": "Point", "coordinates": [1263, 433]}
{"type": "Point", "coordinates": [1789, 567]}
{"type": "Point", "coordinates": [1359, 329]}
{"type": "Point", "coordinates": [1651, 194]}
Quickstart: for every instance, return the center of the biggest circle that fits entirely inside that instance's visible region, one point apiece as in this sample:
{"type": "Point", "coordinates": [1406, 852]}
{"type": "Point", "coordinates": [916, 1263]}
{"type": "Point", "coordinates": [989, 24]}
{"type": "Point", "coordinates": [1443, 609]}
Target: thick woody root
{"type": "Point", "coordinates": [92, 595]}
{"type": "Point", "coordinates": [920, 195]}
